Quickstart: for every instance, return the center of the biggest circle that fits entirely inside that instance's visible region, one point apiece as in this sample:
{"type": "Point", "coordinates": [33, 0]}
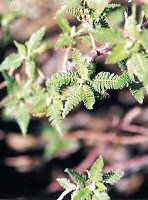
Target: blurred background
{"type": "Point", "coordinates": [117, 128]}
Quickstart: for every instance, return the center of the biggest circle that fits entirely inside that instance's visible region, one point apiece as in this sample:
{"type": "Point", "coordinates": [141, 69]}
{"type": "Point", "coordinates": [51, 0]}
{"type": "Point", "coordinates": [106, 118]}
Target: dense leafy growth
{"type": "Point", "coordinates": [126, 46]}
{"type": "Point", "coordinates": [91, 185]}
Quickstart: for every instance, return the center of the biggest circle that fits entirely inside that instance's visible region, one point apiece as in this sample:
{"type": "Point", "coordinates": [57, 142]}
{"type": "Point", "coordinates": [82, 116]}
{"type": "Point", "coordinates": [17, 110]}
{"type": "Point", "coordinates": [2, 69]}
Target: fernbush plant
{"type": "Point", "coordinates": [126, 46]}
{"type": "Point", "coordinates": [123, 42]}
{"type": "Point", "coordinates": [92, 185]}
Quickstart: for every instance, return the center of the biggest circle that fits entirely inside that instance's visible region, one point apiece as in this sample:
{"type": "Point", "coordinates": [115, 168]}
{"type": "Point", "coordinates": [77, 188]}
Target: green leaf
{"type": "Point", "coordinates": [123, 81]}
{"type": "Point", "coordinates": [138, 93]}
{"type": "Point", "coordinates": [63, 23]}
{"type": "Point", "coordinates": [100, 196]}
{"type": "Point", "coordinates": [82, 66]}
{"type": "Point", "coordinates": [118, 53]}
{"type": "Point", "coordinates": [54, 113]}
{"type": "Point", "coordinates": [72, 100]}
{"type": "Point", "coordinates": [96, 171]}
{"type": "Point", "coordinates": [78, 178]}
{"type": "Point", "coordinates": [137, 65]}
{"type": "Point", "coordinates": [62, 78]}
{"type": "Point", "coordinates": [35, 40]}
{"type": "Point", "coordinates": [82, 194]}
{"type": "Point", "coordinates": [112, 36]}
{"type": "Point", "coordinates": [66, 184]}
{"type": "Point", "coordinates": [23, 118]}
{"type": "Point", "coordinates": [12, 85]}
{"type": "Point", "coordinates": [88, 97]}
{"type": "Point", "coordinates": [21, 49]}
{"type": "Point", "coordinates": [101, 187]}
{"type": "Point", "coordinates": [105, 81]}
{"type": "Point", "coordinates": [13, 61]}
{"type": "Point", "coordinates": [113, 177]}
{"type": "Point", "coordinates": [65, 40]}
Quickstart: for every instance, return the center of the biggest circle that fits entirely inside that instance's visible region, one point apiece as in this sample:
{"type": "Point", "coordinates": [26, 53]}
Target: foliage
{"type": "Point", "coordinates": [63, 91]}
{"type": "Point", "coordinates": [90, 185]}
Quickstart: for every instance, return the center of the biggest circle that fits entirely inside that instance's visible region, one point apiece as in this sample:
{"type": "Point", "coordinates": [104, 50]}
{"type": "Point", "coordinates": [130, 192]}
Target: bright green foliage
{"type": "Point", "coordinates": [126, 46]}
{"type": "Point", "coordinates": [54, 113]}
{"type": "Point", "coordinates": [12, 85]}
{"type": "Point", "coordinates": [35, 40]}
{"type": "Point", "coordinates": [65, 41]}
{"type": "Point", "coordinates": [92, 186]}
{"type": "Point", "coordinates": [76, 177]}
{"type": "Point", "coordinates": [138, 92]}
{"type": "Point", "coordinates": [73, 100]}
{"type": "Point", "coordinates": [112, 178]}
{"type": "Point", "coordinates": [104, 81]}
{"type": "Point", "coordinates": [88, 97]}
{"type": "Point", "coordinates": [13, 61]}
{"type": "Point", "coordinates": [62, 78]}
{"type": "Point", "coordinates": [137, 65]}
{"type": "Point", "coordinates": [54, 108]}
{"type": "Point", "coordinates": [81, 64]}
{"type": "Point", "coordinates": [96, 171]}
{"type": "Point", "coordinates": [67, 38]}
{"type": "Point", "coordinates": [112, 36]}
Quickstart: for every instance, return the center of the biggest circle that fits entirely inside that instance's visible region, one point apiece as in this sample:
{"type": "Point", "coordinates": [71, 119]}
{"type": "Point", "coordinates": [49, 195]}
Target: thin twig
{"type": "Point", "coordinates": [109, 138]}
{"type": "Point", "coordinates": [125, 124]}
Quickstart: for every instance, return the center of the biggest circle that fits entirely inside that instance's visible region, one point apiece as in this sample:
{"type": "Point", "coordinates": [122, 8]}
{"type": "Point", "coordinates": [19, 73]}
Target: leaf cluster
{"type": "Point", "coordinates": [63, 91]}
{"type": "Point", "coordinates": [92, 185]}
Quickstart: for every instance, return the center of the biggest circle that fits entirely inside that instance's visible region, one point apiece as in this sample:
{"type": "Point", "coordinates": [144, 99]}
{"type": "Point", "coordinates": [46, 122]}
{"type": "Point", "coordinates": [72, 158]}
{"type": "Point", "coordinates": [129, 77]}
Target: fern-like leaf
{"type": "Point", "coordinates": [72, 101]}
{"type": "Point", "coordinates": [105, 81]}
{"type": "Point", "coordinates": [113, 177]}
{"type": "Point", "coordinates": [54, 113]}
{"type": "Point", "coordinates": [62, 78]}
{"type": "Point", "coordinates": [81, 65]}
{"type": "Point", "coordinates": [73, 7]}
{"type": "Point", "coordinates": [96, 171]}
{"type": "Point", "coordinates": [88, 97]}
{"type": "Point", "coordinates": [76, 177]}
{"type": "Point", "coordinates": [65, 40]}
{"type": "Point", "coordinates": [123, 81]}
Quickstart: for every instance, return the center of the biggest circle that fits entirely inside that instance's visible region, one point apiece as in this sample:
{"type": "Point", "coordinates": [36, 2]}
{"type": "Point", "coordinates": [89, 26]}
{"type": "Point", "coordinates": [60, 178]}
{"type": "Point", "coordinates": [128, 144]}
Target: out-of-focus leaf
{"type": "Point", "coordinates": [23, 118]}
{"type": "Point", "coordinates": [35, 40]}
{"type": "Point", "coordinates": [63, 23]}
{"type": "Point", "coordinates": [21, 48]}
{"type": "Point", "coordinates": [13, 61]}
{"type": "Point", "coordinates": [12, 85]}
